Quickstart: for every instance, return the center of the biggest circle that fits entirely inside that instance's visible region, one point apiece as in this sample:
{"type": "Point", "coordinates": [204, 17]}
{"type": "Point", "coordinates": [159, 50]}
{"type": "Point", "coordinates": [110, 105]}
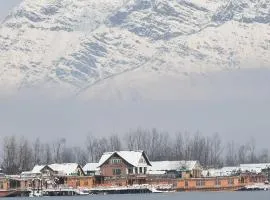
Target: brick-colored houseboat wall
{"type": "Point", "coordinates": [210, 183]}
{"type": "Point", "coordinates": [116, 182]}
{"type": "Point", "coordinates": [125, 181]}
{"type": "Point", "coordinates": [252, 178]}
{"type": "Point", "coordinates": [4, 183]}
{"type": "Point", "coordinates": [85, 182]}
{"type": "Point", "coordinates": [161, 181]}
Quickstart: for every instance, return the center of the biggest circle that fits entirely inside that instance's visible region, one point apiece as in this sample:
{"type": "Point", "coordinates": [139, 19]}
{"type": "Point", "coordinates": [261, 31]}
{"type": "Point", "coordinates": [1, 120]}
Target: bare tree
{"type": "Point", "coordinates": [217, 150]}
{"type": "Point", "coordinates": [80, 156]}
{"type": "Point", "coordinates": [67, 155]}
{"type": "Point", "coordinates": [58, 147]}
{"type": "Point", "coordinates": [138, 139]}
{"type": "Point", "coordinates": [242, 156]}
{"type": "Point", "coordinates": [115, 143]}
{"type": "Point", "coordinates": [251, 148]}
{"type": "Point", "coordinates": [178, 147]}
{"type": "Point", "coordinates": [264, 156]}
{"type": "Point", "coordinates": [99, 147]}
{"type": "Point", "coordinates": [19, 155]}
{"type": "Point", "coordinates": [206, 152]}
{"type": "Point", "coordinates": [187, 146]}
{"type": "Point", "coordinates": [24, 155]}
{"type": "Point", "coordinates": [37, 150]}
{"type": "Point", "coordinates": [231, 157]}
{"type": "Point", "coordinates": [10, 155]}
{"type": "Point", "coordinates": [90, 147]}
{"type": "Point", "coordinates": [48, 158]}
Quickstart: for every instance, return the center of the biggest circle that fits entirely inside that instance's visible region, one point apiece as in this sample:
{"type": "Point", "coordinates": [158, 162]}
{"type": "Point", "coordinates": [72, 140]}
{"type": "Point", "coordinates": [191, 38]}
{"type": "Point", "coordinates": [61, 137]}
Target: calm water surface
{"type": "Point", "coordinates": [260, 195]}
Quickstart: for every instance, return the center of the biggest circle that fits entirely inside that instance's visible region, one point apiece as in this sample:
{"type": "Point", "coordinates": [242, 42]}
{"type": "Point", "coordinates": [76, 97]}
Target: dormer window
{"type": "Point", "coordinates": [116, 161]}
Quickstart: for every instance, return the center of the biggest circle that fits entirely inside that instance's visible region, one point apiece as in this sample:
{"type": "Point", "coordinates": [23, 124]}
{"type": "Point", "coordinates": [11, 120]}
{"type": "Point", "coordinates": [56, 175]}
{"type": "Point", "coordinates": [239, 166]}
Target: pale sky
{"type": "Point", "coordinates": [6, 6]}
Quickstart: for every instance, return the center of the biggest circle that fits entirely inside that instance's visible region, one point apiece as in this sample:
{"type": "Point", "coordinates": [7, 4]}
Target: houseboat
{"type": "Point", "coordinates": [10, 187]}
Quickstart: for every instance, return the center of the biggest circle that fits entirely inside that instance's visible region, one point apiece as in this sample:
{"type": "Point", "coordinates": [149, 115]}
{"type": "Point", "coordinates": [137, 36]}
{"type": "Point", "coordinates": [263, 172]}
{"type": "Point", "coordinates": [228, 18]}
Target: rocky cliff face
{"type": "Point", "coordinates": [78, 44]}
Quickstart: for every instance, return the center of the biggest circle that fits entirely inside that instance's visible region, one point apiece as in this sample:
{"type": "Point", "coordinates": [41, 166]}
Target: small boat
{"type": "Point", "coordinates": [154, 190]}
{"type": "Point", "coordinates": [83, 192]}
{"type": "Point", "coordinates": [34, 193]}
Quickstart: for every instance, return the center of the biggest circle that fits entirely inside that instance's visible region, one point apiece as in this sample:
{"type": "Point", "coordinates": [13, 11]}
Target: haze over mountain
{"type": "Point", "coordinates": [211, 54]}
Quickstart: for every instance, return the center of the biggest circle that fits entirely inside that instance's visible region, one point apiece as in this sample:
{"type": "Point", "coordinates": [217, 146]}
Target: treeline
{"type": "Point", "coordinates": [19, 154]}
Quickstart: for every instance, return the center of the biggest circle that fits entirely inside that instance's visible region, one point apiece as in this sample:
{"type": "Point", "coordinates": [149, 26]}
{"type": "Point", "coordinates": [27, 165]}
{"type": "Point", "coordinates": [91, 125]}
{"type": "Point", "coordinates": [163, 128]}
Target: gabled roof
{"type": "Point", "coordinates": [37, 169]}
{"type": "Point", "coordinates": [131, 157]}
{"type": "Point", "coordinates": [173, 165]}
{"type": "Point", "coordinates": [91, 167]}
{"type": "Point", "coordinates": [65, 168]}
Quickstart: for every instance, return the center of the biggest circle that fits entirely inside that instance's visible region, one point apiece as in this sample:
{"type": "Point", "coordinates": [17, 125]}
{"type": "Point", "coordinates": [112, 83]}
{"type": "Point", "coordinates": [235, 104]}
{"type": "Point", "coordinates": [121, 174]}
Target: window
{"type": "Point", "coordinates": [136, 170]}
{"type": "Point", "coordinates": [186, 183]}
{"type": "Point", "coordinates": [203, 182]}
{"type": "Point", "coordinates": [116, 161]}
{"type": "Point", "coordinates": [141, 170]}
{"type": "Point", "coordinates": [116, 171]}
{"type": "Point", "coordinates": [130, 170]}
{"type": "Point", "coordinates": [78, 184]}
{"type": "Point", "coordinates": [200, 183]}
{"type": "Point", "coordinates": [218, 182]}
{"type": "Point", "coordinates": [145, 170]}
{"type": "Point", "coordinates": [230, 181]}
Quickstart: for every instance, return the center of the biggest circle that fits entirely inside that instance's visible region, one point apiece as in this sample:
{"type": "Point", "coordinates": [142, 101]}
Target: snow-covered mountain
{"type": "Point", "coordinates": [90, 47]}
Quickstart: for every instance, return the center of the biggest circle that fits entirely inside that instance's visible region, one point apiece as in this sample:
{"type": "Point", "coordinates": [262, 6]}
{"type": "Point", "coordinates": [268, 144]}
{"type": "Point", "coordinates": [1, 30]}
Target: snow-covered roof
{"type": "Point", "coordinates": [28, 174]}
{"type": "Point", "coordinates": [229, 171]}
{"type": "Point", "coordinates": [257, 165]}
{"type": "Point", "coordinates": [255, 168]}
{"type": "Point", "coordinates": [37, 168]}
{"type": "Point", "coordinates": [132, 157]}
{"type": "Point", "coordinates": [225, 171]}
{"type": "Point", "coordinates": [91, 167]}
{"type": "Point", "coordinates": [160, 167]}
{"type": "Point", "coordinates": [65, 168]}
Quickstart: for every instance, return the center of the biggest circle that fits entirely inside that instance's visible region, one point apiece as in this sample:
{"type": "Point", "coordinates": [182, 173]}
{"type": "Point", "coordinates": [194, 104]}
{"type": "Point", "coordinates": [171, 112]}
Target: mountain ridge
{"type": "Point", "coordinates": [76, 44]}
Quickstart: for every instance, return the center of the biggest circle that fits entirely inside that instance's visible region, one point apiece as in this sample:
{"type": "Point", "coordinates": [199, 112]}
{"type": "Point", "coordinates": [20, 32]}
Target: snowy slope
{"type": "Point", "coordinates": [82, 45]}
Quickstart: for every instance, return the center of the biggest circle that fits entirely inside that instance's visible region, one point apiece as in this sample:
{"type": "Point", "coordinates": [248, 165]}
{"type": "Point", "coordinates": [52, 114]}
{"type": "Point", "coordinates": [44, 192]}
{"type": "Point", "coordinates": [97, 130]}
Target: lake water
{"type": "Point", "coordinates": [255, 195]}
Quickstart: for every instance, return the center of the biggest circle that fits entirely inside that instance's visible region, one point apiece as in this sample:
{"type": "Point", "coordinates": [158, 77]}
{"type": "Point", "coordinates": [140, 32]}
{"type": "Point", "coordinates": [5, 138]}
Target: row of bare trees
{"type": "Point", "coordinates": [19, 154]}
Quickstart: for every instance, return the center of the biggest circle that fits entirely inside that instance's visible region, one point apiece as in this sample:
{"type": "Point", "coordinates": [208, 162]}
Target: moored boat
{"type": "Point", "coordinates": [8, 193]}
